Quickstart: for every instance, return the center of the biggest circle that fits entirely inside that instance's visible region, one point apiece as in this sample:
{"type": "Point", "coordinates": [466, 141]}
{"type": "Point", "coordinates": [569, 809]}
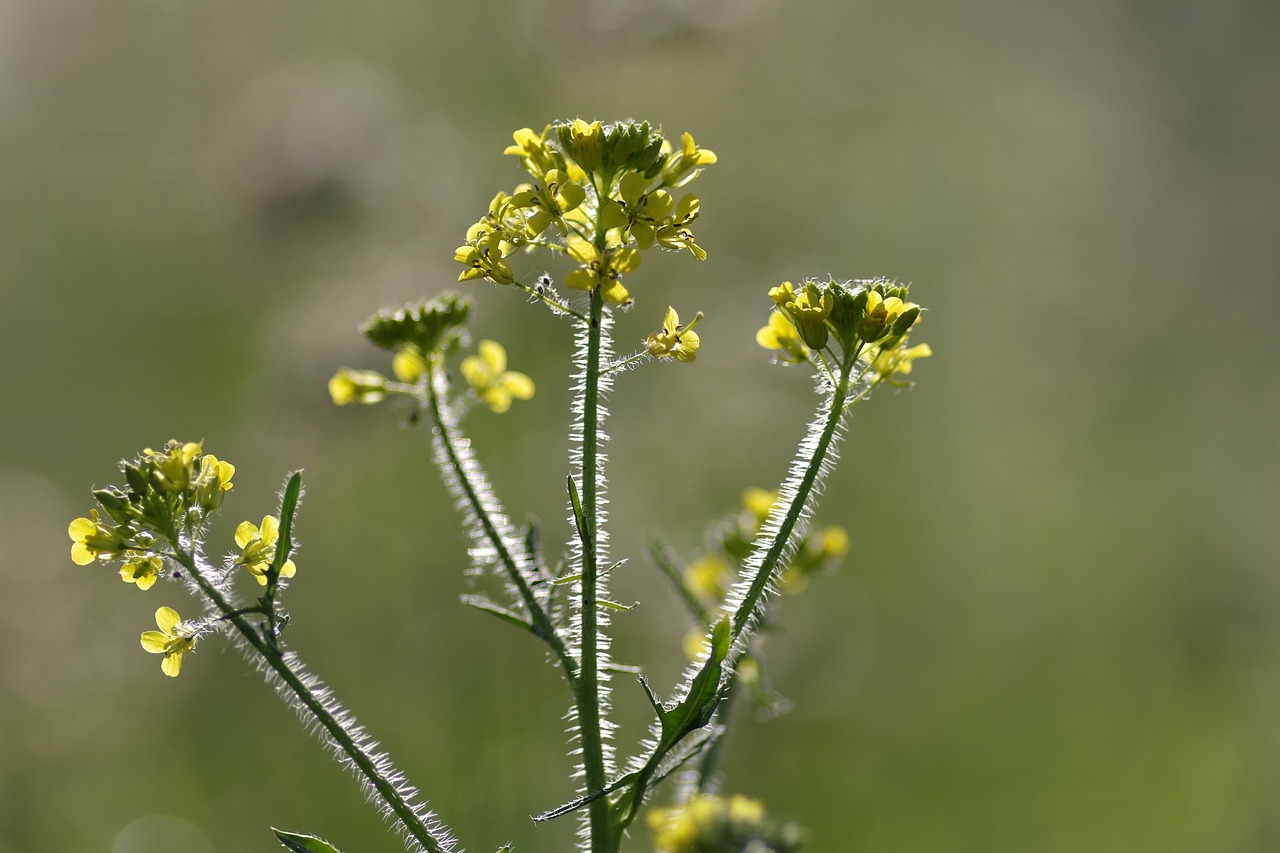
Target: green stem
{"type": "Point", "coordinates": [587, 697]}
{"type": "Point", "coordinates": [835, 411]}
{"type": "Point", "coordinates": [362, 761]}
{"type": "Point", "coordinates": [446, 430]}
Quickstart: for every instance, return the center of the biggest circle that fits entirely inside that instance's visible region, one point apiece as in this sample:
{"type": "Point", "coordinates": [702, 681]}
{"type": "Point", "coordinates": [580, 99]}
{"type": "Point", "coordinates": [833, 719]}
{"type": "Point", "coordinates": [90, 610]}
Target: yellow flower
{"type": "Point", "coordinates": [408, 365]}
{"type": "Point", "coordinates": [710, 822]}
{"type": "Point", "coordinates": [783, 293]}
{"type": "Point", "coordinates": [92, 540]}
{"type": "Point", "coordinates": [879, 315]}
{"type": "Point", "coordinates": [897, 362]}
{"type": "Point", "coordinates": [142, 571]}
{"type": "Point", "coordinates": [549, 200]}
{"type": "Point", "coordinates": [708, 578]}
{"type": "Point", "coordinates": [357, 386]}
{"type": "Point", "coordinates": [809, 310]}
{"type": "Point", "coordinates": [781, 334]}
{"type": "Point", "coordinates": [495, 385]}
{"type": "Point", "coordinates": [603, 271]}
{"type": "Point", "coordinates": [673, 340]}
{"type": "Point", "coordinates": [533, 151]}
{"type": "Point", "coordinates": [213, 482]}
{"type": "Point", "coordinates": [484, 254]}
{"type": "Point", "coordinates": [174, 467]}
{"type": "Point", "coordinates": [683, 166]}
{"type": "Point", "coordinates": [258, 548]}
{"type": "Point", "coordinates": [174, 639]}
{"type": "Point", "coordinates": [759, 502]}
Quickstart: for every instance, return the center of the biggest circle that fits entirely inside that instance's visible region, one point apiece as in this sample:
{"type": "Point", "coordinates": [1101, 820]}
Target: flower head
{"type": "Point", "coordinates": [213, 482]}
{"type": "Point", "coordinates": [781, 334]}
{"type": "Point", "coordinates": [708, 578]}
{"type": "Point", "coordinates": [602, 270]}
{"type": "Point", "coordinates": [673, 340]}
{"type": "Point", "coordinates": [258, 548]}
{"type": "Point", "coordinates": [174, 468]}
{"type": "Point", "coordinates": [174, 639]}
{"type": "Point", "coordinates": [496, 386]}
{"type": "Point", "coordinates": [143, 571]}
{"type": "Point", "coordinates": [357, 386]}
{"type": "Point", "coordinates": [92, 540]}
{"type": "Point", "coordinates": [892, 363]}
{"type": "Point", "coordinates": [433, 325]}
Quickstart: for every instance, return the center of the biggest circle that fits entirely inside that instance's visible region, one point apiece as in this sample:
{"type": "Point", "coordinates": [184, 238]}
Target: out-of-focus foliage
{"type": "Point", "coordinates": [1058, 627]}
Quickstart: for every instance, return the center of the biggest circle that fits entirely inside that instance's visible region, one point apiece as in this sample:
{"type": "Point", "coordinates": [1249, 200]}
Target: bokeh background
{"type": "Point", "coordinates": [1059, 628]}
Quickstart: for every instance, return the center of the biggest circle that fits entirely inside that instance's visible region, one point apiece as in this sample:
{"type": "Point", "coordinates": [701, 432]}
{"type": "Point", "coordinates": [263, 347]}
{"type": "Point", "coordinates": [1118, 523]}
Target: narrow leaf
{"type": "Point", "coordinates": [288, 504]}
{"type": "Point", "coordinates": [574, 805]}
{"type": "Point", "coordinates": [479, 602]}
{"type": "Point", "coordinates": [299, 843]}
{"type": "Point", "coordinates": [614, 605]}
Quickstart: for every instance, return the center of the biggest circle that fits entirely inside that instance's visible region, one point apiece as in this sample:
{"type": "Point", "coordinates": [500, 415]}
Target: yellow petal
{"type": "Point", "coordinates": [172, 664]}
{"type": "Point", "coordinates": [246, 532]}
{"type": "Point", "coordinates": [474, 371]}
{"type": "Point", "coordinates": [408, 366]}
{"type": "Point", "coordinates": [81, 529]}
{"type": "Point", "coordinates": [81, 555]}
{"type": "Point", "coordinates": [269, 532]}
{"type": "Point", "coordinates": [167, 619]}
{"type": "Point", "coordinates": [494, 357]}
{"type": "Point", "coordinates": [497, 400]}
{"type": "Point", "coordinates": [154, 642]}
{"type": "Point", "coordinates": [288, 570]}
{"type": "Point", "coordinates": [517, 385]}
{"type": "Point", "coordinates": [671, 321]}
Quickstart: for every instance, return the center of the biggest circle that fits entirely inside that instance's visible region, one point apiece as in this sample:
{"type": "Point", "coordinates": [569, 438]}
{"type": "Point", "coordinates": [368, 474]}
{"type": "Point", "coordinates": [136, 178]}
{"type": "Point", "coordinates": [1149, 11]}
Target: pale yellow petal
{"type": "Point", "coordinates": [81, 529]}
{"type": "Point", "coordinates": [81, 555]}
{"type": "Point", "coordinates": [246, 532]}
{"type": "Point", "coordinates": [269, 532]}
{"type": "Point", "coordinates": [172, 664]}
{"type": "Point", "coordinates": [154, 642]}
{"type": "Point", "coordinates": [288, 570]}
{"type": "Point", "coordinates": [517, 384]}
{"type": "Point", "coordinates": [494, 357]}
{"type": "Point", "coordinates": [167, 619]}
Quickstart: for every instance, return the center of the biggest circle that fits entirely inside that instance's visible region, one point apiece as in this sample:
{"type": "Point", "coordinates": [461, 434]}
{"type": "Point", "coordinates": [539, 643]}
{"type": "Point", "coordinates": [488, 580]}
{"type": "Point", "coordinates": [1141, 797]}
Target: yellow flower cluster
{"type": "Point", "coordinates": [710, 823]}
{"type": "Point", "coordinates": [869, 320]}
{"type": "Point", "coordinates": [601, 194]}
{"type": "Point", "coordinates": [167, 497]}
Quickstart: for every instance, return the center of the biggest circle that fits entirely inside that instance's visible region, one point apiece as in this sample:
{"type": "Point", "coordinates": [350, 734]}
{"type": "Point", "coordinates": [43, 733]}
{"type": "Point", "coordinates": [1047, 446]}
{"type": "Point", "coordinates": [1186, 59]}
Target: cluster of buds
{"type": "Point", "coordinates": [869, 320]}
{"type": "Point", "coordinates": [167, 495]}
{"type": "Point", "coordinates": [419, 335]}
{"type": "Point", "coordinates": [710, 823]}
{"type": "Point", "coordinates": [606, 190]}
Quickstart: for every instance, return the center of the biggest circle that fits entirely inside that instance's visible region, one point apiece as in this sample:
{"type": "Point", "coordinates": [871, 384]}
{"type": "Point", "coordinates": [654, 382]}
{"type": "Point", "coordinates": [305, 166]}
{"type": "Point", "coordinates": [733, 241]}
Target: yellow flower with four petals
{"type": "Point", "coordinates": [174, 639]}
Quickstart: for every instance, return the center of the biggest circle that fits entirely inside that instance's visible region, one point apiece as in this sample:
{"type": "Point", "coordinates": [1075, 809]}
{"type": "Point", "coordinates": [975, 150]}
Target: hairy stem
{"type": "Point", "coordinates": [464, 477]}
{"type": "Point", "coordinates": [745, 614]}
{"type": "Point", "coordinates": [588, 689]}
{"type": "Point", "coordinates": [375, 770]}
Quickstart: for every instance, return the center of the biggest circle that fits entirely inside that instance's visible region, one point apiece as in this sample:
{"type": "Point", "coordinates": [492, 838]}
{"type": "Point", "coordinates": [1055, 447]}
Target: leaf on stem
{"type": "Point", "coordinates": [299, 843]}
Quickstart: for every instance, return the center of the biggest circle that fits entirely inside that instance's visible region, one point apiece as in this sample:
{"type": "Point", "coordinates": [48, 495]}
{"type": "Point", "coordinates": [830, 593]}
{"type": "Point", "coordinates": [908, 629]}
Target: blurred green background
{"type": "Point", "coordinates": [1059, 628]}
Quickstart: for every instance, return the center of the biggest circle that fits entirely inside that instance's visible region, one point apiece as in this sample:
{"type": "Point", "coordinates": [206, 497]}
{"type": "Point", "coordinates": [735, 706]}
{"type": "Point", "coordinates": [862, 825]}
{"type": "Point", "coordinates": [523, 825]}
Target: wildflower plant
{"type": "Point", "coordinates": [598, 197]}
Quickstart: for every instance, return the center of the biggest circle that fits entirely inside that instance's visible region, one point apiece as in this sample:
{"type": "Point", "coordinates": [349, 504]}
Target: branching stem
{"type": "Point", "coordinates": [364, 763]}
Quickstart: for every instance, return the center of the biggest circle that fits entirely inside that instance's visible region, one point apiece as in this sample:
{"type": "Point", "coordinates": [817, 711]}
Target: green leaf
{"type": "Point", "coordinates": [299, 843]}
{"type": "Point", "coordinates": [479, 602]}
{"type": "Point", "coordinates": [292, 492]}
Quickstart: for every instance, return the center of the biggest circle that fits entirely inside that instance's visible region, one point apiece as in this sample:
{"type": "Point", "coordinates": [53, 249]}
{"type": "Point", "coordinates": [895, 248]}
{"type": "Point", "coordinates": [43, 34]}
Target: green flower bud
{"type": "Point", "coordinates": [434, 325]}
{"type": "Point", "coordinates": [116, 505]}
